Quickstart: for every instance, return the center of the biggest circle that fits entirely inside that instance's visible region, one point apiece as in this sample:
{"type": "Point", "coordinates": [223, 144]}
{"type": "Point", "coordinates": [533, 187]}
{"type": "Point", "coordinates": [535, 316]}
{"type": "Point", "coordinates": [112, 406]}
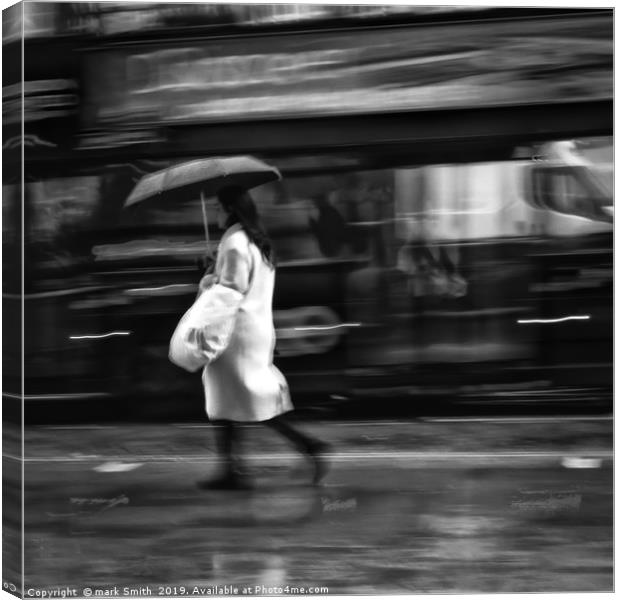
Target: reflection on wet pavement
{"type": "Point", "coordinates": [370, 529]}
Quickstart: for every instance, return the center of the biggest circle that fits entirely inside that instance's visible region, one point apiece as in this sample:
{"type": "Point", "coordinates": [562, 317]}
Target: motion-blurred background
{"type": "Point", "coordinates": [443, 305]}
{"type": "Point", "coordinates": [443, 228]}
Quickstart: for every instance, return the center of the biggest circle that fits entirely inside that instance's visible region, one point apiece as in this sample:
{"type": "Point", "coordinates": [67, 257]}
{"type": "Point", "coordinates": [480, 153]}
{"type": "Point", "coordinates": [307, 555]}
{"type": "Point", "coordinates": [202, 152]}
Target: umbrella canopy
{"type": "Point", "coordinates": [204, 177]}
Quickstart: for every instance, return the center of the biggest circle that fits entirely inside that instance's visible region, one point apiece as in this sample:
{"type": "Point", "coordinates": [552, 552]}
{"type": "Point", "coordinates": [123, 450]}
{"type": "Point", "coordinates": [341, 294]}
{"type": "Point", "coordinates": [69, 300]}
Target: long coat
{"type": "Point", "coordinates": [243, 384]}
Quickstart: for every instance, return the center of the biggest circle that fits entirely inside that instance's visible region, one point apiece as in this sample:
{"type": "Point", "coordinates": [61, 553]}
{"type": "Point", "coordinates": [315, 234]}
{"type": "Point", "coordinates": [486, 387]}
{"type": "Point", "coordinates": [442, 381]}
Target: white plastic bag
{"type": "Point", "coordinates": [204, 331]}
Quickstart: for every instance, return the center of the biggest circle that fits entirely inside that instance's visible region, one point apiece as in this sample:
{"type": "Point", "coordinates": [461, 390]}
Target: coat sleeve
{"type": "Point", "coordinates": [235, 269]}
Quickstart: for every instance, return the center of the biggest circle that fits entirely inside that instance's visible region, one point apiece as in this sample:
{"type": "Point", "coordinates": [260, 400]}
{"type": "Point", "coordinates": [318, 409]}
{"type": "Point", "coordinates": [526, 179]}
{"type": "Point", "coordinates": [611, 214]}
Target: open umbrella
{"type": "Point", "coordinates": [204, 177]}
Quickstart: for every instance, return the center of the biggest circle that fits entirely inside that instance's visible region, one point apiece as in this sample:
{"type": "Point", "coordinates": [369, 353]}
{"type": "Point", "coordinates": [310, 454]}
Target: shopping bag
{"type": "Point", "coordinates": [204, 331]}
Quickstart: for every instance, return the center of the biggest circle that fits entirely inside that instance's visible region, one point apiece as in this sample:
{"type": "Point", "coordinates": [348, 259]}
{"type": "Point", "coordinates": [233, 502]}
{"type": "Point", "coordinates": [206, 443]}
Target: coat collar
{"type": "Point", "coordinates": [232, 229]}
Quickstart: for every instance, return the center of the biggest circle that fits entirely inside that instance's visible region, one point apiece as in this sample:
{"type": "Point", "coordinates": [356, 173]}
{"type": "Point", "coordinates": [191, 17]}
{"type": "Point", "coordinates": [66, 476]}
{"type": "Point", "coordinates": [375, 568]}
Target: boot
{"type": "Point", "coordinates": [316, 451]}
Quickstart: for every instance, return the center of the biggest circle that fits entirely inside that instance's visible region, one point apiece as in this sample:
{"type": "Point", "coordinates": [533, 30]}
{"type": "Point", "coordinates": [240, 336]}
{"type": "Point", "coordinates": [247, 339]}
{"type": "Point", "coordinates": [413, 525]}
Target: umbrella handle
{"type": "Point", "coordinates": [204, 219]}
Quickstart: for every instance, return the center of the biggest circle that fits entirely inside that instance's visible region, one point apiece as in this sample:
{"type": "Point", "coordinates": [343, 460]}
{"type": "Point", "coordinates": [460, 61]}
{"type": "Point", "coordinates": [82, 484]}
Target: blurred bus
{"type": "Point", "coordinates": [435, 243]}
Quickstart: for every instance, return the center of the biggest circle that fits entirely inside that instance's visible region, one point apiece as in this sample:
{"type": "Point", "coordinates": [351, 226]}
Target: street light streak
{"type": "Point", "coordinates": [163, 287]}
{"type": "Point", "coordinates": [77, 396]}
{"type": "Point", "coordinates": [327, 327]}
{"type": "Point", "coordinates": [560, 320]}
{"type": "Point", "coordinates": [98, 336]}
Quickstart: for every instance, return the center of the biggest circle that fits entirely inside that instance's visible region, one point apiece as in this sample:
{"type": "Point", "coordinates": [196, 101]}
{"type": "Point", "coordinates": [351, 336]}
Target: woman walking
{"type": "Point", "coordinates": [243, 384]}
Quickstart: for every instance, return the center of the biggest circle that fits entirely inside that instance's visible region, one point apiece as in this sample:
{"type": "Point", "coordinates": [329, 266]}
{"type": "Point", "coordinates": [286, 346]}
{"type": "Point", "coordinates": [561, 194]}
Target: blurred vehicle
{"type": "Point", "coordinates": [417, 258]}
{"type": "Point", "coordinates": [386, 279]}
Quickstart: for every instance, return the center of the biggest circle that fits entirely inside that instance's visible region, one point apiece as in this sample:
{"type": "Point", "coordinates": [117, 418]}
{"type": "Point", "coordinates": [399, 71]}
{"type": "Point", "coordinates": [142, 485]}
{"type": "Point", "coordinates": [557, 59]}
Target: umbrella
{"type": "Point", "coordinates": [204, 176]}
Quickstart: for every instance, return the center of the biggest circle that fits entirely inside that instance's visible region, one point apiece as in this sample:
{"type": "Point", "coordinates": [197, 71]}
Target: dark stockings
{"type": "Point", "coordinates": [313, 449]}
{"type": "Point", "coordinates": [302, 442]}
{"type": "Point", "coordinates": [227, 440]}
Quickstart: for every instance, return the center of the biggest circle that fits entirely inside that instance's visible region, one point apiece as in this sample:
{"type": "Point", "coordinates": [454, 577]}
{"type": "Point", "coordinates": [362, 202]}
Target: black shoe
{"type": "Point", "coordinates": [228, 481]}
{"type": "Point", "coordinates": [317, 452]}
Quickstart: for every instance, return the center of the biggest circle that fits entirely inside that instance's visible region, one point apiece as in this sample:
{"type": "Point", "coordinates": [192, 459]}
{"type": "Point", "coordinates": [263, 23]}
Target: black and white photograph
{"type": "Point", "coordinates": [307, 299]}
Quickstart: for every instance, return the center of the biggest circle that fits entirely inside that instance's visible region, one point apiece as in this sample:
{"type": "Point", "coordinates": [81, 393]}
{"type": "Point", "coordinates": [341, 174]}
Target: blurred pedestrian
{"type": "Point", "coordinates": [243, 384]}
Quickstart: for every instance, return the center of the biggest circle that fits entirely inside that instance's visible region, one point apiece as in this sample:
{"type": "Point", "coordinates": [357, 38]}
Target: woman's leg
{"type": "Point", "coordinates": [301, 441]}
{"type": "Point", "coordinates": [225, 435]}
{"type": "Point", "coordinates": [226, 442]}
{"type": "Point", "coordinates": [313, 448]}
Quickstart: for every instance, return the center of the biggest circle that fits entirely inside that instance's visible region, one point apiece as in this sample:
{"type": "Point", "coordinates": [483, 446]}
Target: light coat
{"type": "Point", "coordinates": [243, 384]}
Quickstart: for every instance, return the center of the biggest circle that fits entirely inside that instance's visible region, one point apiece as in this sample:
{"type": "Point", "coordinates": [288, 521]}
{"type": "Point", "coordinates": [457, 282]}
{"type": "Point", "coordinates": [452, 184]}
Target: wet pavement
{"type": "Point", "coordinates": [466, 506]}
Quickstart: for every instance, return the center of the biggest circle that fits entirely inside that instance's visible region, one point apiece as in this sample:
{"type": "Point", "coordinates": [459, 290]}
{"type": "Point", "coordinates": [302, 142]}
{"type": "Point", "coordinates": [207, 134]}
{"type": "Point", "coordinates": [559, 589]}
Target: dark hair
{"type": "Point", "coordinates": [241, 209]}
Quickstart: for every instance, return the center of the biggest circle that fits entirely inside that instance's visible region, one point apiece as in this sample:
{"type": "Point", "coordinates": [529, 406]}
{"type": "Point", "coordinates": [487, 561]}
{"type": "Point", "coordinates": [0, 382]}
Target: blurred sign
{"type": "Point", "coordinates": [346, 72]}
